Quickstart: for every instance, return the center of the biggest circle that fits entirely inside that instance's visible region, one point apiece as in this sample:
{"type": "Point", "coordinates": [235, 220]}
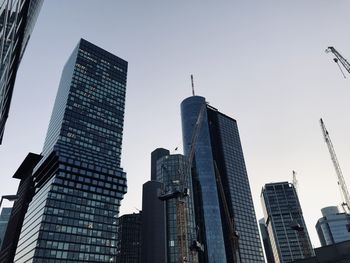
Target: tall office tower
{"type": "Point", "coordinates": [79, 183]}
{"type": "Point", "coordinates": [266, 241]}
{"type": "Point", "coordinates": [129, 239]}
{"type": "Point", "coordinates": [218, 145]}
{"type": "Point", "coordinates": [24, 194]}
{"type": "Point", "coordinates": [285, 223]}
{"type": "Point", "coordinates": [4, 219]}
{"type": "Point", "coordinates": [17, 19]}
{"type": "Point", "coordinates": [173, 171]}
{"type": "Point", "coordinates": [153, 247]}
{"type": "Point", "coordinates": [155, 155]}
{"type": "Point", "coordinates": [333, 227]}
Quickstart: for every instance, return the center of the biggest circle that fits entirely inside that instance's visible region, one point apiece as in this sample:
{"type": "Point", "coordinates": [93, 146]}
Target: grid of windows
{"type": "Point", "coordinates": [170, 171]}
{"type": "Point", "coordinates": [79, 182]}
{"type": "Point", "coordinates": [236, 184]}
{"type": "Point", "coordinates": [333, 226]}
{"type": "Point", "coordinates": [129, 239]}
{"type": "Point", "coordinates": [285, 223]}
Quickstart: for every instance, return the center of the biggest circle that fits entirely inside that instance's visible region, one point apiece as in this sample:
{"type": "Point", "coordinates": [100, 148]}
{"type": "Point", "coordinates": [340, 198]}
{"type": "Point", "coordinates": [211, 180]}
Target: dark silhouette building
{"type": "Point", "coordinates": [129, 239]}
{"type": "Point", "coordinates": [285, 223]}
{"type": "Point", "coordinates": [25, 194]}
{"type": "Point", "coordinates": [79, 182]}
{"type": "Point", "coordinates": [218, 152]}
{"type": "Point", "coordinates": [335, 253]}
{"type": "Point", "coordinates": [154, 241]}
{"type": "Point", "coordinates": [17, 19]}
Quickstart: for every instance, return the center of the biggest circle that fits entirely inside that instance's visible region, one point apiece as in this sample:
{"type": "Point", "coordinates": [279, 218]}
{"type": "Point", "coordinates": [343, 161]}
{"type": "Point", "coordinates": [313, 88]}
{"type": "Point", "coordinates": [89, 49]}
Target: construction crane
{"type": "Point", "coordinates": [340, 177]}
{"type": "Point", "coordinates": [233, 235]}
{"type": "Point", "coordinates": [339, 59]}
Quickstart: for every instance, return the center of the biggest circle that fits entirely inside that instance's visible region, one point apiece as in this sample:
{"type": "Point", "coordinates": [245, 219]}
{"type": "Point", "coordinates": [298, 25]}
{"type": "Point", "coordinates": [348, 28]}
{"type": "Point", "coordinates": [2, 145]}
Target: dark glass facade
{"type": "Point", "coordinates": [4, 219]}
{"type": "Point", "coordinates": [25, 194]}
{"type": "Point", "coordinates": [129, 239]}
{"type": "Point", "coordinates": [174, 173]}
{"type": "Point", "coordinates": [17, 19]}
{"type": "Point", "coordinates": [219, 145]}
{"type": "Point", "coordinates": [266, 241]}
{"type": "Point", "coordinates": [79, 183]}
{"type": "Point", "coordinates": [154, 243]}
{"type": "Point", "coordinates": [155, 155]}
{"type": "Point", "coordinates": [285, 223]}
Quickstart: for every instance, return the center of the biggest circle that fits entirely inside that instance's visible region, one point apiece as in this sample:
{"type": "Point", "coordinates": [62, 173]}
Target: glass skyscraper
{"type": "Point", "coordinates": [333, 227]}
{"type": "Point", "coordinates": [17, 19]}
{"type": "Point", "coordinates": [285, 223]}
{"type": "Point", "coordinates": [218, 145]}
{"type": "Point", "coordinates": [79, 182]}
{"type": "Point", "coordinates": [129, 239]}
{"type": "Point", "coordinates": [174, 173]}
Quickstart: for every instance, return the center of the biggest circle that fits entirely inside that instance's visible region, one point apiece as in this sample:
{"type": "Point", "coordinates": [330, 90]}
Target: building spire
{"type": "Point", "coordinates": [192, 83]}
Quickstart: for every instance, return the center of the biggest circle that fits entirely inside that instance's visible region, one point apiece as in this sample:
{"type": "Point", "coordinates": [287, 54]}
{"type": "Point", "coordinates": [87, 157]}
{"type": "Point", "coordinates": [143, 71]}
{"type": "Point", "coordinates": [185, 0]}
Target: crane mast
{"type": "Point", "coordinates": [339, 58]}
{"type": "Point", "coordinates": [295, 181]}
{"type": "Point", "coordinates": [233, 236]}
{"type": "Point", "coordinates": [340, 177]}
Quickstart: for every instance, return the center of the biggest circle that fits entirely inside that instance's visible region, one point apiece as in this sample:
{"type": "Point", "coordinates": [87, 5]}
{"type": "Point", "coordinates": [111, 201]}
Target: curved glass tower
{"type": "Point", "coordinates": [333, 226]}
{"type": "Point", "coordinates": [219, 145]}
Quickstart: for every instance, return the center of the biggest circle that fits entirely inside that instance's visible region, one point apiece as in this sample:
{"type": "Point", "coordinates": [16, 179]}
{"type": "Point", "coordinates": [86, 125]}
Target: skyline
{"type": "Point", "coordinates": [272, 77]}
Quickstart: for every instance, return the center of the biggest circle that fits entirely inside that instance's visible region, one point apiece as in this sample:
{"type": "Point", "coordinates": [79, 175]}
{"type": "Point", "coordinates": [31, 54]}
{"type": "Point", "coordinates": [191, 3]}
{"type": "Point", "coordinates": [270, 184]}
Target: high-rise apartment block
{"type": "Point", "coordinates": [129, 239]}
{"type": "Point", "coordinates": [285, 223]}
{"type": "Point", "coordinates": [17, 19]}
{"type": "Point", "coordinates": [218, 153]}
{"type": "Point", "coordinates": [79, 182]}
{"type": "Point", "coordinates": [333, 227]}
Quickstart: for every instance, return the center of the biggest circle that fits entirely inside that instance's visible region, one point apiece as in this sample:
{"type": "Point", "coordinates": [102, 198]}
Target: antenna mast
{"type": "Point", "coordinates": [192, 83]}
{"type": "Point", "coordinates": [295, 181]}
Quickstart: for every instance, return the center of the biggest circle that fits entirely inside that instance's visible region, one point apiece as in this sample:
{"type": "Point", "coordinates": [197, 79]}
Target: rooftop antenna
{"type": "Point", "coordinates": [192, 82]}
{"type": "Point", "coordinates": [295, 181]}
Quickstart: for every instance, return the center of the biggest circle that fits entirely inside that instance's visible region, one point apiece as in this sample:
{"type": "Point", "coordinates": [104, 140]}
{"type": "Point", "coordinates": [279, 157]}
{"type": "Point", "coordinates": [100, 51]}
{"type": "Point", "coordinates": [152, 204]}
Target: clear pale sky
{"type": "Point", "coordinates": [260, 62]}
